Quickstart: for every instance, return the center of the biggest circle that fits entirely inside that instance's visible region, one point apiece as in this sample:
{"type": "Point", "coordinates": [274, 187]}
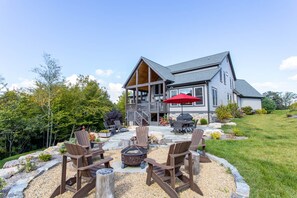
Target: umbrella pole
{"type": "Point", "coordinates": [182, 109]}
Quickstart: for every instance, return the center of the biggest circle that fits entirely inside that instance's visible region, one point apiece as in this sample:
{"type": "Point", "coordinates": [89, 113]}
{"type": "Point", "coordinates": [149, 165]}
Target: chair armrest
{"type": "Point", "coordinates": [85, 146]}
{"type": "Point", "coordinates": [103, 161]}
{"type": "Point", "coordinates": [180, 154]}
{"type": "Point", "coordinates": [203, 142]}
{"type": "Point", "coordinates": [73, 156]}
{"type": "Point", "coordinates": [154, 163]}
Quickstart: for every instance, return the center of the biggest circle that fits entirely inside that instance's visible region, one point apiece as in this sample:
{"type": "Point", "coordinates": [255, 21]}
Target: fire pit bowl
{"type": "Point", "coordinates": [133, 156]}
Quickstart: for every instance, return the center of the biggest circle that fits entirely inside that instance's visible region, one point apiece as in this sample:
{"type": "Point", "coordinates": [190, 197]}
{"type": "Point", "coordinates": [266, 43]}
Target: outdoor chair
{"type": "Point", "coordinates": [85, 169]}
{"type": "Point", "coordinates": [177, 126]}
{"type": "Point", "coordinates": [118, 125]}
{"type": "Point", "coordinates": [193, 127]}
{"type": "Point", "coordinates": [197, 139]}
{"type": "Point", "coordinates": [82, 138]}
{"type": "Point", "coordinates": [165, 175]}
{"type": "Point", "coordinates": [141, 139]}
{"type": "Point", "coordinates": [111, 128]}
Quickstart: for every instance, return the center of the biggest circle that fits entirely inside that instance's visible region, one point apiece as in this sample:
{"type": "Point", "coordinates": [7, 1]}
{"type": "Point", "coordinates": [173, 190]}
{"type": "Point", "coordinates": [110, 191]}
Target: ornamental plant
{"type": "Point", "coordinates": [203, 121]}
{"type": "Point", "coordinates": [104, 131]}
{"type": "Point", "coordinates": [223, 113]}
{"type": "Point", "coordinates": [45, 157]}
{"type": "Point", "coordinates": [215, 135]}
{"type": "Point", "coordinates": [92, 137]}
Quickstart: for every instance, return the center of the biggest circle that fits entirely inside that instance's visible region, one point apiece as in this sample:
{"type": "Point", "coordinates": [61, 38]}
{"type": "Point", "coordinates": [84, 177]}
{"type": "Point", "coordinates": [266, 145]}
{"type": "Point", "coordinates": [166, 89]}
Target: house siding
{"type": "Point", "coordinates": [222, 88]}
{"type": "Point", "coordinates": [255, 103]}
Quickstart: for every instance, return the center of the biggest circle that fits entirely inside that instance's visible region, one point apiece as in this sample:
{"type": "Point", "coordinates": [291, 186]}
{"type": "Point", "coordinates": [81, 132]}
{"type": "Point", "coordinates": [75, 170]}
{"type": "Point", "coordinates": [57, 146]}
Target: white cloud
{"type": "Point", "coordinates": [293, 77]}
{"type": "Point", "coordinates": [274, 86]}
{"type": "Point", "coordinates": [118, 77]}
{"type": "Point", "coordinates": [289, 63]}
{"type": "Point", "coordinates": [101, 72]}
{"type": "Point", "coordinates": [115, 90]}
{"type": "Point", "coordinates": [25, 83]}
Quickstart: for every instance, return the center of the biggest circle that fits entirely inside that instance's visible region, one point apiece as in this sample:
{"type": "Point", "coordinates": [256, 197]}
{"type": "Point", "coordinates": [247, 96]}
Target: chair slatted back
{"type": "Point", "coordinates": [196, 138]}
{"type": "Point", "coordinates": [177, 148]}
{"type": "Point", "coordinates": [142, 135]}
{"type": "Point", "coordinates": [82, 138]}
{"type": "Point", "coordinates": [77, 150]}
{"type": "Point", "coordinates": [118, 124]}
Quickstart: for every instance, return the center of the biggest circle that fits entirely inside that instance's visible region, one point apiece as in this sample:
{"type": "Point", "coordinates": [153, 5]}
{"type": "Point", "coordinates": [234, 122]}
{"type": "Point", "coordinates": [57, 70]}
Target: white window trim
{"type": "Point", "coordinates": [213, 88]}
{"type": "Point", "coordinates": [203, 95]}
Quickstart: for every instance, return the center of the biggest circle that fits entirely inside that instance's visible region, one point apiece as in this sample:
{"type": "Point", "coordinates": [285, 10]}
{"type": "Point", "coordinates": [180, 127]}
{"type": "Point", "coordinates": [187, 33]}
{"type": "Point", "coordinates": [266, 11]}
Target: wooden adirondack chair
{"type": "Point", "coordinates": [165, 174]}
{"type": "Point", "coordinates": [197, 138]}
{"type": "Point", "coordinates": [118, 125]}
{"type": "Point", "coordinates": [141, 138]}
{"type": "Point", "coordinates": [82, 138]}
{"type": "Point", "coordinates": [85, 168]}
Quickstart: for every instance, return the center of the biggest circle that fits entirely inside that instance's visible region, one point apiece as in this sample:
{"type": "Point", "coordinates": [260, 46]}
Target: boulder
{"type": "Point", "coordinates": [207, 132]}
{"type": "Point", "coordinates": [8, 172]}
{"type": "Point", "coordinates": [11, 163]}
{"type": "Point", "coordinates": [32, 156]}
{"type": "Point", "coordinates": [231, 124]}
{"type": "Point", "coordinates": [157, 136]}
{"type": "Point", "coordinates": [215, 125]}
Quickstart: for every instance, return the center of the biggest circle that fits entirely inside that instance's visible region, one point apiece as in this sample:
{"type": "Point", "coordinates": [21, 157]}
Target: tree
{"type": "Point", "coordinates": [288, 98]}
{"type": "Point", "coordinates": [276, 97]}
{"type": "Point", "coordinates": [49, 77]}
{"type": "Point", "coordinates": [268, 104]}
{"type": "Point", "coordinates": [2, 84]}
{"type": "Point", "coordinates": [121, 104]}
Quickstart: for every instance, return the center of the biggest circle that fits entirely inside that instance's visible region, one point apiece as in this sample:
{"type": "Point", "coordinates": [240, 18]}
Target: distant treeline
{"type": "Point", "coordinates": [50, 112]}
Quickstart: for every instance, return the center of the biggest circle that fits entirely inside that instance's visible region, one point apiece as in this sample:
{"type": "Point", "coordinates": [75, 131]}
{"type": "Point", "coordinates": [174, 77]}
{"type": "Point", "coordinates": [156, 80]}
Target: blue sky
{"type": "Point", "coordinates": [105, 39]}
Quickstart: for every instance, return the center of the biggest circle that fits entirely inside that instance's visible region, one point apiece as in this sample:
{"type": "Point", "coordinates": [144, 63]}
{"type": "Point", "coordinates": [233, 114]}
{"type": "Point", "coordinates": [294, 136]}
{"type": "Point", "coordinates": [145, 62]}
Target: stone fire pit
{"type": "Point", "coordinates": [133, 156]}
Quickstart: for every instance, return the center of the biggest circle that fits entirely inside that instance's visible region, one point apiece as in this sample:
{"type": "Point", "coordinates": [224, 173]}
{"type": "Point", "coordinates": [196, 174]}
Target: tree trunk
{"type": "Point", "coordinates": [105, 183]}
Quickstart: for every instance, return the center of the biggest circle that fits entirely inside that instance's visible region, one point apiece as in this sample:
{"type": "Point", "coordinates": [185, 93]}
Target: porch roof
{"type": "Point", "coordinates": [244, 89]}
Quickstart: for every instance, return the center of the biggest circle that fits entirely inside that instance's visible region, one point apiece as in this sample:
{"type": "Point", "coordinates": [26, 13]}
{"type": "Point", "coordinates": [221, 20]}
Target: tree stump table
{"type": "Point", "coordinates": [196, 163]}
{"type": "Point", "coordinates": [105, 183]}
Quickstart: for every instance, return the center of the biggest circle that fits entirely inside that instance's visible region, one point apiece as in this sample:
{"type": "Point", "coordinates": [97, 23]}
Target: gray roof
{"type": "Point", "coordinates": [244, 89]}
{"type": "Point", "coordinates": [195, 76]}
{"type": "Point", "coordinates": [206, 61]}
{"type": "Point", "coordinates": [162, 71]}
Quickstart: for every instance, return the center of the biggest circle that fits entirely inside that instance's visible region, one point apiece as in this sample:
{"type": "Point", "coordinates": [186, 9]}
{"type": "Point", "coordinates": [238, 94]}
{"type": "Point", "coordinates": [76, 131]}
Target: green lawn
{"type": "Point", "coordinates": [2, 162]}
{"type": "Point", "coordinates": [268, 159]}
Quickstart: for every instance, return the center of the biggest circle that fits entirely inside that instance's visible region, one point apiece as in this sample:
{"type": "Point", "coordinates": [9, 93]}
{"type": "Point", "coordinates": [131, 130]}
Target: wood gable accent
{"type": "Point", "coordinates": [142, 75]}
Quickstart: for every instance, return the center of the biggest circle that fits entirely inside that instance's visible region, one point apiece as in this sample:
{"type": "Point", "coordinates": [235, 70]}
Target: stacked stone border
{"type": "Point", "coordinates": [242, 188]}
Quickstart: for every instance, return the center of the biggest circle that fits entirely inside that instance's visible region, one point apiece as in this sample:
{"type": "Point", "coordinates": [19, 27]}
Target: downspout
{"type": "Point", "coordinates": [208, 104]}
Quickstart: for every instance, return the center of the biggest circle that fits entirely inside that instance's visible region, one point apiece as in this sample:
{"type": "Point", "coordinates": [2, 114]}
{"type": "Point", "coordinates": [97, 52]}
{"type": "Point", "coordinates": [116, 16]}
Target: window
{"type": "Point", "coordinates": [214, 97]}
{"type": "Point", "coordinates": [199, 93]}
{"type": "Point", "coordinates": [229, 99]}
{"type": "Point", "coordinates": [225, 78]}
{"type": "Point", "coordinates": [188, 91]}
{"type": "Point", "coordinates": [173, 93]}
{"type": "Point", "coordinates": [231, 86]}
{"type": "Point", "coordinates": [221, 76]}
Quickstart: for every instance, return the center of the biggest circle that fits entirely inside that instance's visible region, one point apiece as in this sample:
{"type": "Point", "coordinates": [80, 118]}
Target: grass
{"type": "Point", "coordinates": [268, 159]}
{"type": "Point", "coordinates": [3, 161]}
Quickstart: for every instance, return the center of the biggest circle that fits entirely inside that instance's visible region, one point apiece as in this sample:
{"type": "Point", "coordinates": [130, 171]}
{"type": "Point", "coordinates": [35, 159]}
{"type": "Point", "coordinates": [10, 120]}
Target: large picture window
{"type": "Point", "coordinates": [199, 93]}
{"type": "Point", "coordinates": [214, 97]}
{"type": "Point", "coordinates": [188, 91]}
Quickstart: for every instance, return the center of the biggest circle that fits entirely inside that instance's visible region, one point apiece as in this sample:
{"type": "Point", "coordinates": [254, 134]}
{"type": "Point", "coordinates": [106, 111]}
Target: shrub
{"type": "Point", "coordinates": [62, 149]}
{"type": "Point", "coordinates": [215, 135]}
{"type": "Point", "coordinates": [237, 131]}
{"type": "Point", "coordinates": [104, 131]}
{"type": "Point", "coordinates": [233, 108]}
{"type": "Point", "coordinates": [203, 121]}
{"type": "Point", "coordinates": [2, 184]}
{"type": "Point", "coordinates": [223, 113]}
{"type": "Point", "coordinates": [247, 110]}
{"type": "Point", "coordinates": [268, 104]}
{"type": "Point", "coordinates": [293, 107]}
{"type": "Point", "coordinates": [259, 111]}
{"type": "Point", "coordinates": [29, 165]}
{"type": "Point", "coordinates": [45, 157]}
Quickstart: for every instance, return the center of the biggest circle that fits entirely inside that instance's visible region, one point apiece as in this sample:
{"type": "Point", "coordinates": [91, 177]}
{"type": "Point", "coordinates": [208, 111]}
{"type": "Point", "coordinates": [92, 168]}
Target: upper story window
{"type": "Point", "coordinates": [214, 96]}
{"type": "Point", "coordinates": [224, 78]}
{"type": "Point", "coordinates": [231, 83]}
{"type": "Point", "coordinates": [199, 93]}
{"type": "Point", "coordinates": [221, 76]}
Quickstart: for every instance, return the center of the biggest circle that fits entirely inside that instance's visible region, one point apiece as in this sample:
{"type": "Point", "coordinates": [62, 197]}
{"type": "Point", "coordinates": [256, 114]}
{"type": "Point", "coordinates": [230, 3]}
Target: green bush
{"type": "Point", "coordinates": [203, 121]}
{"type": "Point", "coordinates": [233, 108]}
{"type": "Point", "coordinates": [62, 149]}
{"type": "Point", "coordinates": [237, 131]}
{"type": "Point", "coordinates": [2, 184]}
{"type": "Point", "coordinates": [293, 107]}
{"type": "Point", "coordinates": [215, 135]}
{"type": "Point", "coordinates": [247, 110]}
{"type": "Point", "coordinates": [29, 165]}
{"type": "Point", "coordinates": [45, 157]}
{"type": "Point", "coordinates": [268, 104]}
{"type": "Point", "coordinates": [223, 113]}
{"type": "Point", "coordinates": [261, 111]}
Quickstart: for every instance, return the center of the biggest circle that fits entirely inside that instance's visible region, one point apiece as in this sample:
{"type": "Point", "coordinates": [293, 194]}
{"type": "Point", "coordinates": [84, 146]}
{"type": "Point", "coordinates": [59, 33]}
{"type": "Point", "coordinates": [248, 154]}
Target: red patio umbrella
{"type": "Point", "coordinates": [181, 99]}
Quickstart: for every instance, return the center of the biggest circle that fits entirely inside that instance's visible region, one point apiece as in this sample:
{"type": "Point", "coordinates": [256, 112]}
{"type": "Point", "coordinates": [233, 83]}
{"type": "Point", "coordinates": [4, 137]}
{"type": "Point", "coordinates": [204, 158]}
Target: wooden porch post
{"type": "Point", "coordinates": [136, 88]}
{"type": "Point", "coordinates": [149, 94]}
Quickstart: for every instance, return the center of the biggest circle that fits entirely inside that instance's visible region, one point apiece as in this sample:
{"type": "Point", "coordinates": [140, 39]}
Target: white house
{"type": "Point", "coordinates": [211, 78]}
